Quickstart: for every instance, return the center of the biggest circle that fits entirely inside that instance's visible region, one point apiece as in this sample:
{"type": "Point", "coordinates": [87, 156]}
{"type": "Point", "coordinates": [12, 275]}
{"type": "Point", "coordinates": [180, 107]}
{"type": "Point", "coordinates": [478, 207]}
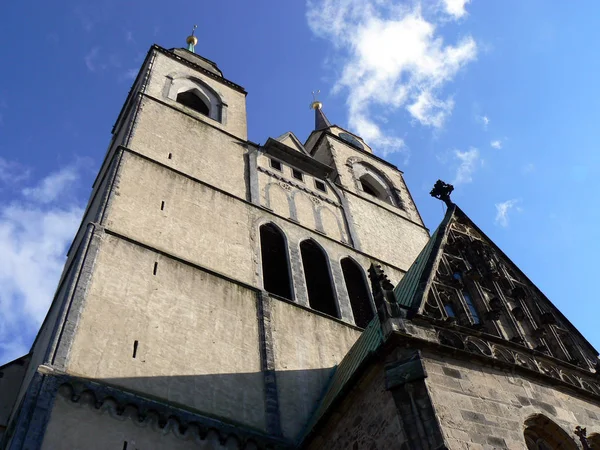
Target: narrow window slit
{"type": "Point", "coordinates": [170, 155]}
{"type": "Point", "coordinates": [162, 206]}
{"type": "Point", "coordinates": [124, 445]}
{"type": "Point", "coordinates": [135, 346]}
{"type": "Point", "coordinates": [155, 268]}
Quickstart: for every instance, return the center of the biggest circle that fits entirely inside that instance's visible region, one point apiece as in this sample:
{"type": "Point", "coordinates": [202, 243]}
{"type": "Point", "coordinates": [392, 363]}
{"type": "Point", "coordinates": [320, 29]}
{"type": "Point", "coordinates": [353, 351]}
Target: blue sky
{"type": "Point", "coordinates": [499, 97]}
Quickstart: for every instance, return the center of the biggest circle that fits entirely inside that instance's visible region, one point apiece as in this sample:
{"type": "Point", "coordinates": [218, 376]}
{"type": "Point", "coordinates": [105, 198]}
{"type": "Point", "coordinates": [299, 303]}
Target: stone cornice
{"type": "Point", "coordinates": [155, 414]}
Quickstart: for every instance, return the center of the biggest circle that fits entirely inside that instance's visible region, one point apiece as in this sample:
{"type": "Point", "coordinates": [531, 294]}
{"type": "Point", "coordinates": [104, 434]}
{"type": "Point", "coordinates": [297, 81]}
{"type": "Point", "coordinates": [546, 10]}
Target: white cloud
{"type": "Point", "coordinates": [393, 57]}
{"type": "Point", "coordinates": [53, 186]}
{"type": "Point", "coordinates": [469, 161]}
{"type": "Point", "coordinates": [497, 144]}
{"type": "Point", "coordinates": [456, 8]}
{"type": "Point", "coordinates": [11, 172]}
{"type": "Point", "coordinates": [90, 59]}
{"type": "Point", "coordinates": [502, 210]}
{"type": "Point", "coordinates": [34, 234]}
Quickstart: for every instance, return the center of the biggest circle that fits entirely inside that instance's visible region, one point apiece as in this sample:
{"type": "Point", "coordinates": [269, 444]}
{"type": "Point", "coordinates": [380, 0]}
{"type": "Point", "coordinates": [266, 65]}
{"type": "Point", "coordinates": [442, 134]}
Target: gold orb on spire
{"type": "Point", "coordinates": [191, 39]}
{"type": "Point", "coordinates": [316, 104]}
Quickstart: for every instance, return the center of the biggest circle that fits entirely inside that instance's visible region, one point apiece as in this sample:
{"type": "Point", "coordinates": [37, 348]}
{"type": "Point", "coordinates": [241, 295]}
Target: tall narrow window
{"type": "Point", "coordinates": [275, 268]}
{"type": "Point", "coordinates": [191, 100]}
{"type": "Point", "coordinates": [468, 299]}
{"type": "Point", "coordinates": [318, 280]}
{"type": "Point", "coordinates": [357, 292]}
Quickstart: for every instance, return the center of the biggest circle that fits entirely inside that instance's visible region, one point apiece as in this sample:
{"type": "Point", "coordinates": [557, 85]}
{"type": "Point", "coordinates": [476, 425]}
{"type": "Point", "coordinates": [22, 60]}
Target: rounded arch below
{"type": "Point", "coordinates": [541, 433]}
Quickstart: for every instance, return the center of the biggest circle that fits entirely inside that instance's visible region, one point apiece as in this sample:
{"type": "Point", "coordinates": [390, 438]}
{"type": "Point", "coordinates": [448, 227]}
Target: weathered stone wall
{"type": "Point", "coordinates": [196, 334]}
{"type": "Point", "coordinates": [164, 68]}
{"type": "Point", "coordinates": [79, 426]}
{"type": "Point", "coordinates": [306, 347]}
{"type": "Point", "coordinates": [212, 229]}
{"type": "Point", "coordinates": [301, 200]}
{"type": "Point", "coordinates": [191, 146]}
{"type": "Point", "coordinates": [483, 407]}
{"type": "Point", "coordinates": [367, 418]}
{"type": "Point", "coordinates": [383, 233]}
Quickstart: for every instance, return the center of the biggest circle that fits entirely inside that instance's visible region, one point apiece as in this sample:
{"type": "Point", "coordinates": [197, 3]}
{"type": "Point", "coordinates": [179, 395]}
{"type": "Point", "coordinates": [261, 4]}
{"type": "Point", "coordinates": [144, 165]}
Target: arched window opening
{"type": "Point", "coordinates": [275, 268]}
{"type": "Point", "coordinates": [468, 299]}
{"type": "Point", "coordinates": [543, 434]}
{"type": "Point", "coordinates": [192, 101]}
{"type": "Point", "coordinates": [357, 292]}
{"type": "Point", "coordinates": [372, 187]}
{"type": "Point", "coordinates": [318, 280]}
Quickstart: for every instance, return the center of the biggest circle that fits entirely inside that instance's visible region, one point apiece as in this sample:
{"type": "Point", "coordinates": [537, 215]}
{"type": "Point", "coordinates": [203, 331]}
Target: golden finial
{"type": "Point", "coordinates": [316, 104]}
{"type": "Point", "coordinates": [192, 40]}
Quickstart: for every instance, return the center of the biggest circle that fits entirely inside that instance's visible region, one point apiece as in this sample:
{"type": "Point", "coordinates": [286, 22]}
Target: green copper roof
{"type": "Point", "coordinates": [368, 342]}
{"type": "Point", "coordinates": [412, 283]}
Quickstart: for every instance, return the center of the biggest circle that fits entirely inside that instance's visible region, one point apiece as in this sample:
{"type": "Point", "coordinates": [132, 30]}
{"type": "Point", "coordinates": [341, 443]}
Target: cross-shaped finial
{"type": "Point", "coordinates": [442, 192]}
{"type": "Point", "coordinates": [194, 29]}
{"type": "Point", "coordinates": [315, 95]}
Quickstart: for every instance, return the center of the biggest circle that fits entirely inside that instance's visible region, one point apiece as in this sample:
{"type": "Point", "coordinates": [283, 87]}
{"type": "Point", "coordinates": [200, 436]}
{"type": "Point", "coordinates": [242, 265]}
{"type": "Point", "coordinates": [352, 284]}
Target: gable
{"type": "Point", "coordinates": [463, 279]}
{"type": "Point", "coordinates": [291, 141]}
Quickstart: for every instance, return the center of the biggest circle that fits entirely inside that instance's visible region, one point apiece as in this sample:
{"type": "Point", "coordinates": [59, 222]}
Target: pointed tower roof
{"type": "Point", "coordinates": [321, 121]}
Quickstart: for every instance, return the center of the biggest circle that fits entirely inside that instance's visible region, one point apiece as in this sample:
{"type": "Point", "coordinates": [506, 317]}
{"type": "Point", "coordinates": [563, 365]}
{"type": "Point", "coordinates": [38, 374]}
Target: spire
{"type": "Point", "coordinates": [192, 40]}
{"type": "Point", "coordinates": [321, 120]}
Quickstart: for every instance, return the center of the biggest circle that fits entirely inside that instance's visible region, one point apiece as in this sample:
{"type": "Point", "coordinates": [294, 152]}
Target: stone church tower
{"type": "Point", "coordinates": [216, 296]}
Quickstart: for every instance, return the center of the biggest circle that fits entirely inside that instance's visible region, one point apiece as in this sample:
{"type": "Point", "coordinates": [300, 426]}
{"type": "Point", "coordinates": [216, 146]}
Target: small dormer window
{"type": "Point", "coordinates": [320, 186]}
{"type": "Point", "coordinates": [192, 101]}
{"type": "Point", "coordinates": [275, 164]}
{"type": "Point", "coordinates": [297, 174]}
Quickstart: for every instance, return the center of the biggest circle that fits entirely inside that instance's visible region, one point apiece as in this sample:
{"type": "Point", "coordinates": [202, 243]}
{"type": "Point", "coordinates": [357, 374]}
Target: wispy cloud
{"type": "Point", "coordinates": [53, 186]}
{"type": "Point", "coordinates": [392, 57]}
{"type": "Point", "coordinates": [12, 172]}
{"type": "Point", "coordinates": [129, 37]}
{"type": "Point", "coordinates": [91, 58]}
{"type": "Point", "coordinates": [484, 120]}
{"type": "Point", "coordinates": [456, 8]}
{"type": "Point", "coordinates": [128, 75]}
{"type": "Point", "coordinates": [34, 234]}
{"type": "Point", "coordinates": [503, 209]}
{"type": "Point", "coordinates": [497, 144]}
{"type": "Point", "coordinates": [468, 162]}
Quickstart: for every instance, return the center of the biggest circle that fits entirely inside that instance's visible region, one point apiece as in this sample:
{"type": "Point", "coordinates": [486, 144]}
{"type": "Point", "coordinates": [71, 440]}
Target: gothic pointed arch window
{"type": "Point", "coordinates": [318, 278]}
{"type": "Point", "coordinates": [358, 292]}
{"type": "Point", "coordinates": [541, 433]}
{"type": "Point", "coordinates": [196, 95]}
{"type": "Point", "coordinates": [193, 100]}
{"type": "Point", "coordinates": [370, 185]}
{"type": "Point", "coordinates": [275, 266]}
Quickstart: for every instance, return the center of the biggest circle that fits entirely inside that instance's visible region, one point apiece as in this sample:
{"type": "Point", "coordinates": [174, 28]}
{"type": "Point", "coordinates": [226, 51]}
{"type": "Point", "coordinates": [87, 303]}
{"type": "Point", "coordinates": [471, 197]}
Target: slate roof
{"type": "Point", "coordinates": [413, 282]}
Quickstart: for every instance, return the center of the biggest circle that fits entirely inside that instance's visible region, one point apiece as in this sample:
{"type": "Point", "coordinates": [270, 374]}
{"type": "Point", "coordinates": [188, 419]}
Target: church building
{"type": "Point", "coordinates": [221, 294]}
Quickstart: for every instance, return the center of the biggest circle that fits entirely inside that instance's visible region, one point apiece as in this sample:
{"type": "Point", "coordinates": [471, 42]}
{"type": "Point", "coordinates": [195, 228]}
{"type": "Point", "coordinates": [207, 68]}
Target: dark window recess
{"type": "Point", "coordinates": [297, 174]}
{"type": "Point", "coordinates": [162, 206]}
{"type": "Point", "coordinates": [135, 346]}
{"type": "Point", "coordinates": [368, 189]}
{"type": "Point", "coordinates": [318, 281]}
{"type": "Point", "coordinates": [192, 101]}
{"type": "Point", "coordinates": [320, 186]}
{"type": "Point", "coordinates": [125, 445]}
{"type": "Point", "coordinates": [472, 309]}
{"type": "Point", "coordinates": [449, 310]}
{"type": "Point", "coordinates": [276, 275]}
{"type": "Point", "coordinates": [357, 292]}
{"type": "Point", "coordinates": [276, 165]}
{"type": "Point", "coordinates": [155, 268]}
{"type": "Point", "coordinates": [170, 155]}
